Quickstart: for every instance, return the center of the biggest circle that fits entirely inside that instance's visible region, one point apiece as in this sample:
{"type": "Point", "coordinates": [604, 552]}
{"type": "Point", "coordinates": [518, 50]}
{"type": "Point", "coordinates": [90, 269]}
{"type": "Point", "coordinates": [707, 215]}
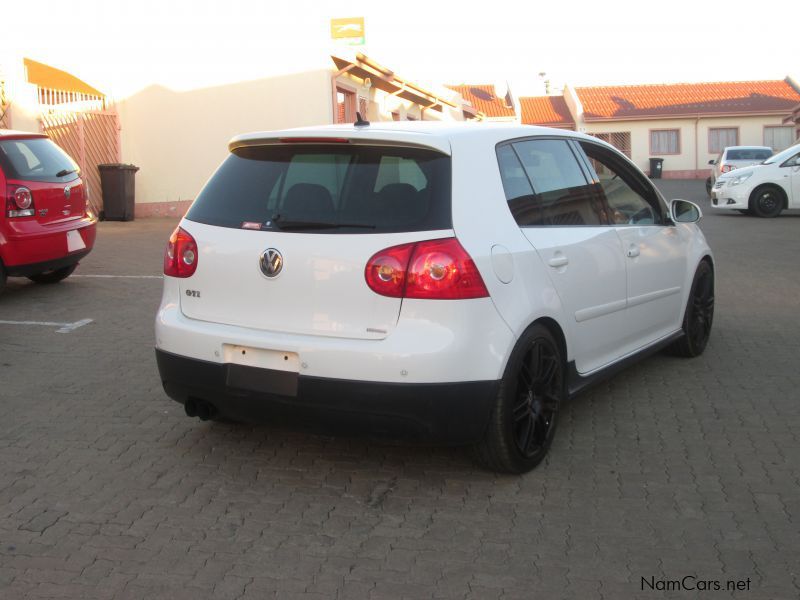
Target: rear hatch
{"type": "Point", "coordinates": [48, 172]}
{"type": "Point", "coordinates": [285, 230]}
{"type": "Point", "coordinates": [745, 157]}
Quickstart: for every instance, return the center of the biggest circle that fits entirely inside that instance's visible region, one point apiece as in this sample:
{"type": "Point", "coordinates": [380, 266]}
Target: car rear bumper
{"type": "Point", "coordinates": [49, 265]}
{"type": "Point", "coordinates": [35, 250]}
{"type": "Point", "coordinates": [451, 413]}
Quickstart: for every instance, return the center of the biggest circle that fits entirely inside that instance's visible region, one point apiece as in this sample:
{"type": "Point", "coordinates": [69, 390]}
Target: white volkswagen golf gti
{"type": "Point", "coordinates": [455, 283]}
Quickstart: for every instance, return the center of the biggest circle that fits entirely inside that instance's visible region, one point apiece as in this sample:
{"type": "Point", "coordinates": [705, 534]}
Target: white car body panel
{"type": "Point", "coordinates": [607, 304]}
{"type": "Point", "coordinates": [726, 194]}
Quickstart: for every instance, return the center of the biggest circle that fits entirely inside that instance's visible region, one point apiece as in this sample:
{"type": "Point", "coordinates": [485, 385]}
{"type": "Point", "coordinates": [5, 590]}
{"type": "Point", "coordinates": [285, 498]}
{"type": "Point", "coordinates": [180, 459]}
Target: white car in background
{"type": "Point", "coordinates": [458, 282]}
{"type": "Point", "coordinates": [763, 190]}
{"type": "Point", "coordinates": [736, 157]}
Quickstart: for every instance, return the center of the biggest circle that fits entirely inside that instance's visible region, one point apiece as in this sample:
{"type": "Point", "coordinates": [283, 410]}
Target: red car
{"type": "Point", "coordinates": [45, 227]}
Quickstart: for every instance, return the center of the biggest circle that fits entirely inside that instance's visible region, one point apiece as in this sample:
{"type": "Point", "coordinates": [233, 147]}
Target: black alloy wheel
{"type": "Point", "coordinates": [699, 315]}
{"type": "Point", "coordinates": [766, 203]}
{"type": "Point", "coordinates": [538, 393]}
{"type": "Point", "coordinates": [524, 417]}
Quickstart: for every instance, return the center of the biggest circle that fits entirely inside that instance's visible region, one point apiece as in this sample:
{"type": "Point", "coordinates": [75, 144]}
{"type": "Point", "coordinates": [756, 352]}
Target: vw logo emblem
{"type": "Point", "coordinates": [271, 262]}
{"type": "Point", "coordinates": [67, 192]}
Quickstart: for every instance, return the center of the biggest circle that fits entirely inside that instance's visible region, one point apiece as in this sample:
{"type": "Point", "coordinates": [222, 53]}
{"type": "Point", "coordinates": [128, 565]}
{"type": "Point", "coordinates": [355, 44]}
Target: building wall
{"type": "Point", "coordinates": [692, 159]}
{"type": "Point", "coordinates": [177, 139]}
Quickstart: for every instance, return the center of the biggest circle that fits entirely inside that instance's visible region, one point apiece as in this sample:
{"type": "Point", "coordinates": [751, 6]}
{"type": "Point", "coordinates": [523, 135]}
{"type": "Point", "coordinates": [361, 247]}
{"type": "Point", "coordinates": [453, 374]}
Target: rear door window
{"type": "Point", "coordinates": [545, 185]}
{"type": "Point", "coordinates": [348, 189]}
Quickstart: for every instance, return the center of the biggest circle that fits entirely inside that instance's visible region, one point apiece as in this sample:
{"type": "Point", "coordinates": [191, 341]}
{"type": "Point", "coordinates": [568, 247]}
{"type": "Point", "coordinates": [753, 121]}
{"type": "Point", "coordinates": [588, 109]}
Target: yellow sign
{"type": "Point", "coordinates": [349, 30]}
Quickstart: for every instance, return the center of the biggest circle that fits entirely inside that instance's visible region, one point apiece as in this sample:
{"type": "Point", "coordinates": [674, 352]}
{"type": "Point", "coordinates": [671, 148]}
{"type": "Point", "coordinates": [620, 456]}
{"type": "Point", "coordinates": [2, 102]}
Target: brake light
{"type": "Point", "coordinates": [180, 257]}
{"type": "Point", "coordinates": [19, 201]}
{"type": "Point", "coordinates": [313, 140]}
{"type": "Point", "coordinates": [726, 168]}
{"type": "Point", "coordinates": [433, 270]}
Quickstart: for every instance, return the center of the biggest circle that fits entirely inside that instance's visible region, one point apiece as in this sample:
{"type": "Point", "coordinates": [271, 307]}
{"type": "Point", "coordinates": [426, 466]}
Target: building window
{"type": "Point", "coordinates": [665, 141]}
{"type": "Point", "coordinates": [345, 106]}
{"type": "Point", "coordinates": [778, 137]}
{"type": "Point", "coordinates": [720, 138]}
{"type": "Point", "coordinates": [621, 140]}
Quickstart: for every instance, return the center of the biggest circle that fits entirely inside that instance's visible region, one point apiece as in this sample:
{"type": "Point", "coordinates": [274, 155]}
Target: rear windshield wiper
{"type": "Point", "coordinates": [63, 172]}
{"type": "Point", "coordinates": [288, 224]}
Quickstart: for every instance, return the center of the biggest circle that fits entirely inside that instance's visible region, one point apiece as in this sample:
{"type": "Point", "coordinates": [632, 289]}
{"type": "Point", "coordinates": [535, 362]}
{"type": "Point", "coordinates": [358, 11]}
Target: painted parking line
{"type": "Point", "coordinates": [62, 327]}
{"type": "Point", "coordinates": [121, 276]}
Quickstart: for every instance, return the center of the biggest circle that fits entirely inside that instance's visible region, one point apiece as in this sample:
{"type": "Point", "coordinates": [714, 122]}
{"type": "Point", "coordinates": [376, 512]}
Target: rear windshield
{"type": "Point", "coordinates": [749, 154]}
{"type": "Point", "coordinates": [330, 189]}
{"type": "Point", "coordinates": [36, 159]}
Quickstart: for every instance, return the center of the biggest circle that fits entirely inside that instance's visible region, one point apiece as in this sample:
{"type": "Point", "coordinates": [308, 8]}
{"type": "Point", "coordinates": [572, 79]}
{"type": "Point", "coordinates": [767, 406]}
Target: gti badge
{"type": "Point", "coordinates": [43, 212]}
{"type": "Point", "coordinates": [271, 262]}
{"type": "Point", "coordinates": [67, 192]}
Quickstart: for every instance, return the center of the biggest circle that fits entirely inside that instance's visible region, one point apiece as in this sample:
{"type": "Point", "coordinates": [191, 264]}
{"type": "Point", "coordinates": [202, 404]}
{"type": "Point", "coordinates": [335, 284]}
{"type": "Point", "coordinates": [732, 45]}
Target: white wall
{"type": "Point", "coordinates": [692, 161]}
{"type": "Point", "coordinates": [178, 139]}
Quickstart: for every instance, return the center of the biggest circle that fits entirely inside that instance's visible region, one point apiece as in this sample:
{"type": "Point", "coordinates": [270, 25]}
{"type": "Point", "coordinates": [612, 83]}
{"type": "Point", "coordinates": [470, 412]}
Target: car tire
{"type": "Point", "coordinates": [766, 202]}
{"type": "Point", "coordinates": [699, 314]}
{"type": "Point", "coordinates": [709, 185]}
{"type": "Point", "coordinates": [523, 419]}
{"type": "Point", "coordinates": [53, 276]}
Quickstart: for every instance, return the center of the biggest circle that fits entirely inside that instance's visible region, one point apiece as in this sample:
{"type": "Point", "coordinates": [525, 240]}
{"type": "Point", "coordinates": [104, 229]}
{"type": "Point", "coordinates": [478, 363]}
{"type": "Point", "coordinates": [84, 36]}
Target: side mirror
{"type": "Point", "coordinates": [683, 211]}
{"type": "Point", "coordinates": [712, 162]}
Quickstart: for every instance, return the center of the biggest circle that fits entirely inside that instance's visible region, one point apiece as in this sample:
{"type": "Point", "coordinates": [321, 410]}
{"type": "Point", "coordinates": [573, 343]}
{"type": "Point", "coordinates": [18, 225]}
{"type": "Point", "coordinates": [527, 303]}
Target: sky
{"type": "Point", "coordinates": [122, 47]}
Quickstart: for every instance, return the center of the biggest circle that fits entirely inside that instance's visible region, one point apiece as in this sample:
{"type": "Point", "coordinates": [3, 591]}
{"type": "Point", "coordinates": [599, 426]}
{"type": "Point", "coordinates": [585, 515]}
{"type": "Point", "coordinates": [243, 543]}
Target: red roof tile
{"type": "Point", "coordinates": [550, 111]}
{"type": "Point", "coordinates": [483, 98]}
{"type": "Point", "coordinates": [687, 99]}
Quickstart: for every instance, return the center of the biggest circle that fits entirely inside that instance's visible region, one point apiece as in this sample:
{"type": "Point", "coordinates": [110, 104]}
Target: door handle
{"type": "Point", "coordinates": [633, 251]}
{"type": "Point", "coordinates": [558, 261]}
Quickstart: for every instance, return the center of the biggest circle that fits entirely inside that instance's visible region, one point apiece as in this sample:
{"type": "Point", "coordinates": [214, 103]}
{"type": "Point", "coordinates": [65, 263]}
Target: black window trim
{"type": "Point", "coordinates": [578, 160]}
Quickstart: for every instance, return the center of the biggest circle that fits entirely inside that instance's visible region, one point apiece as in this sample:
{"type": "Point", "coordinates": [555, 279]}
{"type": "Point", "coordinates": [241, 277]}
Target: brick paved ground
{"type": "Point", "coordinates": [672, 468]}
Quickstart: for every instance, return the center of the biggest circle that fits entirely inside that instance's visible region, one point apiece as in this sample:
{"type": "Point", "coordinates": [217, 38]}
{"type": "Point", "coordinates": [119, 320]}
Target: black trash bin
{"type": "Point", "coordinates": [119, 191]}
{"type": "Point", "coordinates": [655, 167]}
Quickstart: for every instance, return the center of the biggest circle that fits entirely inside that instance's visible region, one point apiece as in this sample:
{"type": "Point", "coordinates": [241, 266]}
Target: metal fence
{"type": "Point", "coordinates": [91, 138]}
{"type": "Point", "coordinates": [621, 140]}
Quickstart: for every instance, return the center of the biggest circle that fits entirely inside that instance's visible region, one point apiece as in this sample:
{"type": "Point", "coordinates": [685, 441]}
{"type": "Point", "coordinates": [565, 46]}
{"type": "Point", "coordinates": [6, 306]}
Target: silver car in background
{"type": "Point", "coordinates": [736, 157]}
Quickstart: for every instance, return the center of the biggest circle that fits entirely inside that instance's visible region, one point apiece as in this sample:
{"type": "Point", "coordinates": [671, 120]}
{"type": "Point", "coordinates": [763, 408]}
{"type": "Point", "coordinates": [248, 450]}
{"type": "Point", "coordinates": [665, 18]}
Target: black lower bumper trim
{"type": "Point", "coordinates": [451, 413]}
{"type": "Point", "coordinates": [50, 265]}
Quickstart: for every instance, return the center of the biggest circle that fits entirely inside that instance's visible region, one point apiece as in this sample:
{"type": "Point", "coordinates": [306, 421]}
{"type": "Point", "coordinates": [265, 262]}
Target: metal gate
{"type": "Point", "coordinates": [91, 138]}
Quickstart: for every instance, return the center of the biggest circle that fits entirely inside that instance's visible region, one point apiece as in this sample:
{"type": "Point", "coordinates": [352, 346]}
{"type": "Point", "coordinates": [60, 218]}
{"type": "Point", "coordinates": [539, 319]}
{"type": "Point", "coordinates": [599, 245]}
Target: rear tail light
{"type": "Point", "coordinates": [180, 258]}
{"type": "Point", "coordinates": [726, 168]}
{"type": "Point", "coordinates": [19, 201]}
{"type": "Point", "coordinates": [433, 270]}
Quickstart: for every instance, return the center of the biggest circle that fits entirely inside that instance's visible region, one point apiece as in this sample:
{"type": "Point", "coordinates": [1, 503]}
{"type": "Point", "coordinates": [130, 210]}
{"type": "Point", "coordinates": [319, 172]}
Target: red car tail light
{"type": "Point", "coordinates": [432, 270]}
{"type": "Point", "coordinates": [726, 168]}
{"type": "Point", "coordinates": [386, 270]}
{"type": "Point", "coordinates": [19, 201]}
{"type": "Point", "coordinates": [180, 258]}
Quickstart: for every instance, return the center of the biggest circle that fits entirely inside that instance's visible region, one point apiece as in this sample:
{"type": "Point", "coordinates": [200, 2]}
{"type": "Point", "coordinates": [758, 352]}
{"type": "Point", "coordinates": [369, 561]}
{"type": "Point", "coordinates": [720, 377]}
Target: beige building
{"type": "Point", "coordinates": [178, 138]}
{"type": "Point", "coordinates": [687, 125]}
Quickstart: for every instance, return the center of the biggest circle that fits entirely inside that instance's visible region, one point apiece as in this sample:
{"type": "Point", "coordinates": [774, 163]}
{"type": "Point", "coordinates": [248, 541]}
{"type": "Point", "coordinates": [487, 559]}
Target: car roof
{"type": "Point", "coordinates": [748, 148]}
{"type": "Point", "coordinates": [13, 133]}
{"type": "Point", "coordinates": [432, 134]}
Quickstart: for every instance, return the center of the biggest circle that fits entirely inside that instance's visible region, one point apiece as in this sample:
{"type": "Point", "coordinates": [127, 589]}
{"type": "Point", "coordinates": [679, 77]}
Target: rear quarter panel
{"type": "Point", "coordinates": [481, 220]}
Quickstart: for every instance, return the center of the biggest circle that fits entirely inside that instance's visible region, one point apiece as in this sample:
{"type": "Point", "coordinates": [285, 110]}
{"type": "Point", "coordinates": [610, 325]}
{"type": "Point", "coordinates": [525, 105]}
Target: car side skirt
{"type": "Point", "coordinates": [577, 383]}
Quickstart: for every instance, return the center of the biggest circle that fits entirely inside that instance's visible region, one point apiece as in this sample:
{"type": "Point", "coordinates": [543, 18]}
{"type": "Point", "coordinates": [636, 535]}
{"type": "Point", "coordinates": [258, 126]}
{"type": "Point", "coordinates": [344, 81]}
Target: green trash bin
{"type": "Point", "coordinates": [119, 191]}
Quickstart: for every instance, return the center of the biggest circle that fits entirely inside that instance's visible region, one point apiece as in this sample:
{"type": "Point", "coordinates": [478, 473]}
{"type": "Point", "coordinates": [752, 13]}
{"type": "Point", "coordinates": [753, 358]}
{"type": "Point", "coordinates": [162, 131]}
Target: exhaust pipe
{"type": "Point", "coordinates": [190, 406]}
{"type": "Point", "coordinates": [199, 408]}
